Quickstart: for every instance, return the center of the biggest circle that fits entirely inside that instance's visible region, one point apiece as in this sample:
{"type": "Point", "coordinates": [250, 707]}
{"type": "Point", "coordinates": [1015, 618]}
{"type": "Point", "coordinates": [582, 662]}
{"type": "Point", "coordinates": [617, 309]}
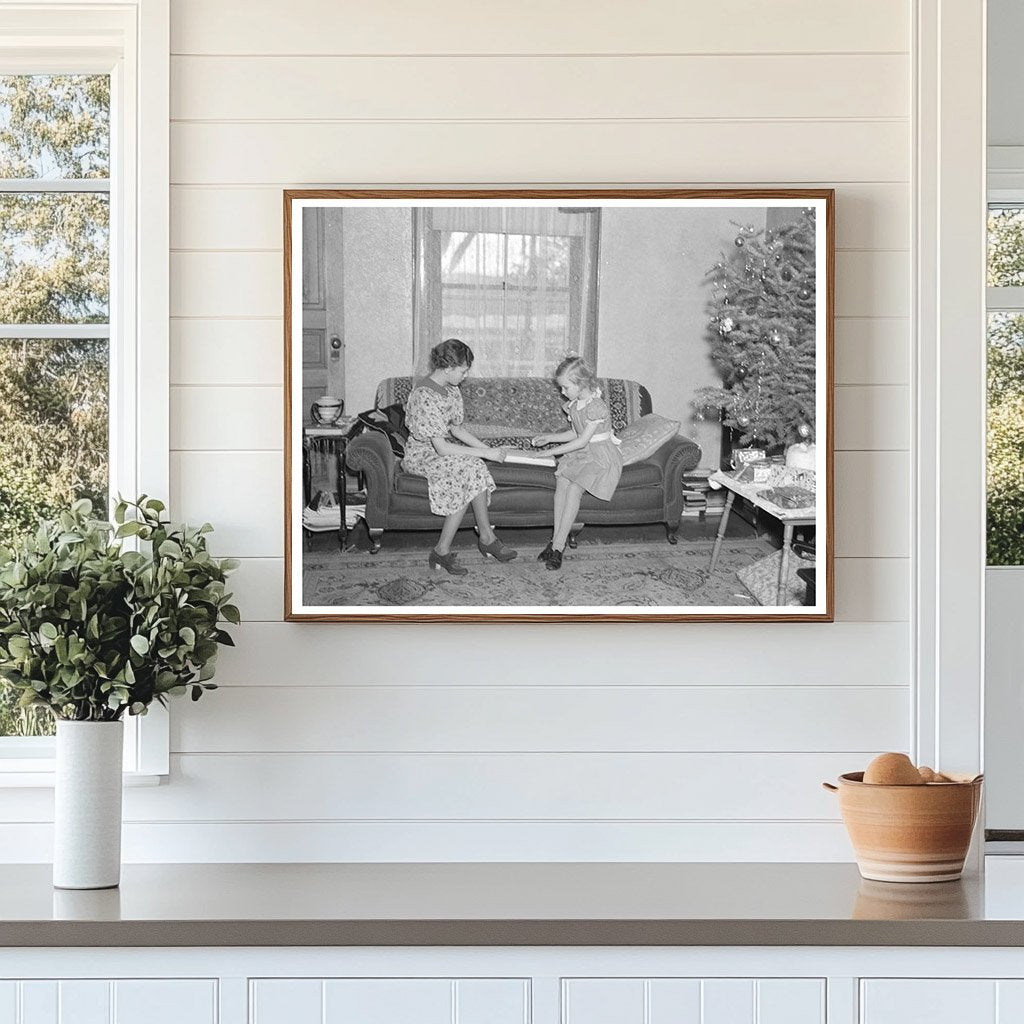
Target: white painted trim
{"type": "Point", "coordinates": [1004, 299]}
{"type": "Point", "coordinates": [55, 331]}
{"type": "Point", "coordinates": [950, 444]}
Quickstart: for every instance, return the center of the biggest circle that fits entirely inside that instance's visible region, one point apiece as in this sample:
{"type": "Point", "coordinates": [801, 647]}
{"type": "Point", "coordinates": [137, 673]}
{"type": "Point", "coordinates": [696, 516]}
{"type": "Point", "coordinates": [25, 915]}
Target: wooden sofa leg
{"type": "Point", "coordinates": [574, 532]}
{"type": "Point", "coordinates": [671, 530]}
{"type": "Point", "coordinates": [375, 537]}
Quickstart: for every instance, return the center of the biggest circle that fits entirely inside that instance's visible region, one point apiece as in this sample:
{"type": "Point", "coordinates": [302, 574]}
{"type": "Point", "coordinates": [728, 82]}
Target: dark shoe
{"type": "Point", "coordinates": [496, 550]}
{"type": "Point", "coordinates": [446, 562]}
{"type": "Point", "coordinates": [554, 560]}
{"type": "Point", "coordinates": [545, 554]}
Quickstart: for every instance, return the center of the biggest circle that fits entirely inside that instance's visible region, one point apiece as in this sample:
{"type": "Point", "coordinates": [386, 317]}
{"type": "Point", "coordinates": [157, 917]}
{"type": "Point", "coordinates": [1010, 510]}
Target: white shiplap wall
{"type": "Point", "coordinates": [660, 741]}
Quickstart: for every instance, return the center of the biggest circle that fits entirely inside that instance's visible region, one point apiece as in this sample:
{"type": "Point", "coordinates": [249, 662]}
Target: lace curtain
{"type": "Point", "coordinates": [516, 284]}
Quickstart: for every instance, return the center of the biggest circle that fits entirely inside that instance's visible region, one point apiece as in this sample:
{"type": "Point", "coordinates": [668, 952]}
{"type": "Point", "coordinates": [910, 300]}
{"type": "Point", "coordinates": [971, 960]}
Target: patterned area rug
{"type": "Point", "coordinates": [648, 573]}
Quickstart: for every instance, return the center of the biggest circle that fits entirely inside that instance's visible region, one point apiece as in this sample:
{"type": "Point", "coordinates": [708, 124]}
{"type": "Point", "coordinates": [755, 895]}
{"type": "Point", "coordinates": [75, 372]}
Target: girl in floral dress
{"type": "Point", "coordinates": [591, 462]}
{"type": "Point", "coordinates": [456, 475]}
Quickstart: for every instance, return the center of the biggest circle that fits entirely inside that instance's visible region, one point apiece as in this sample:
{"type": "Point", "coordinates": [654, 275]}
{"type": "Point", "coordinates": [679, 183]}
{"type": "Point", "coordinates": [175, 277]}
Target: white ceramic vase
{"type": "Point", "coordinates": [87, 805]}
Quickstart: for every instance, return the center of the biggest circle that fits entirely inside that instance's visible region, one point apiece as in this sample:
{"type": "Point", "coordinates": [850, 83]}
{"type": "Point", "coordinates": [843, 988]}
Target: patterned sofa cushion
{"type": "Point", "coordinates": [510, 410]}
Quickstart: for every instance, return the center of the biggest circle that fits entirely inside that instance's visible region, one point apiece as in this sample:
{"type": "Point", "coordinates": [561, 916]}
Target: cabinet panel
{"type": "Point", "coordinates": [84, 1002]}
{"type": "Point", "coordinates": [674, 1000]}
{"type": "Point", "coordinates": [388, 1001]}
{"type": "Point", "coordinates": [790, 1001]}
{"type": "Point", "coordinates": [603, 1001]}
{"type": "Point", "coordinates": [8, 1002]}
{"type": "Point", "coordinates": [728, 1001]}
{"type": "Point", "coordinates": [492, 1001]}
{"type": "Point", "coordinates": [928, 1001]}
{"type": "Point", "coordinates": [281, 1001]}
{"type": "Point", "coordinates": [165, 1002]}
{"type": "Point", "coordinates": [694, 1001]}
{"type": "Point", "coordinates": [38, 1002]}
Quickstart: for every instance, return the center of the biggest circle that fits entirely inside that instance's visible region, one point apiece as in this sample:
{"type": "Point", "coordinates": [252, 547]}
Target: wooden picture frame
{"type": "Point", "coordinates": [711, 307]}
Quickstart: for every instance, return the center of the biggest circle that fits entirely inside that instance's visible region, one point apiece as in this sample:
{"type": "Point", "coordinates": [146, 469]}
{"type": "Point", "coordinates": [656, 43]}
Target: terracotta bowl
{"type": "Point", "coordinates": [909, 833]}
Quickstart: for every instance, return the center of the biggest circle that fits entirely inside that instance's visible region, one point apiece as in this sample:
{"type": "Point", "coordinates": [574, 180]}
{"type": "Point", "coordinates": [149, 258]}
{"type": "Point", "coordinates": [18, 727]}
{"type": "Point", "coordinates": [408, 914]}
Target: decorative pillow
{"type": "Point", "coordinates": [643, 437]}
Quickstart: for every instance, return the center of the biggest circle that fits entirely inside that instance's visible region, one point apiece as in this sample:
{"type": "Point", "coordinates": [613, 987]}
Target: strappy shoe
{"type": "Point", "coordinates": [446, 562]}
{"type": "Point", "coordinates": [546, 553]}
{"type": "Point", "coordinates": [496, 550]}
{"type": "Point", "coordinates": [554, 560]}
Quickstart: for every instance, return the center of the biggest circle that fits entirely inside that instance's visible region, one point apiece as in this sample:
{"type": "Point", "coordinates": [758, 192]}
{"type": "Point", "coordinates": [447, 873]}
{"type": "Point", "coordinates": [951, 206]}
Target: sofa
{"type": "Point", "coordinates": [507, 412]}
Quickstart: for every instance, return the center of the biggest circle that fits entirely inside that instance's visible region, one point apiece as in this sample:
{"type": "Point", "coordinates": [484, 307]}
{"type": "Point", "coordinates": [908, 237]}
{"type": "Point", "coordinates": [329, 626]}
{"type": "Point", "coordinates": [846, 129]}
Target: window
{"type": "Point", "coordinates": [1005, 471]}
{"type": "Point", "coordinates": [54, 308]}
{"type": "Point", "coordinates": [83, 263]}
{"type": "Point", "coordinates": [518, 285]}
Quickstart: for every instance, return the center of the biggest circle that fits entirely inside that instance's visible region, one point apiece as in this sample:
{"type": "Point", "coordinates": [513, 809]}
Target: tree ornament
{"type": "Point", "coordinates": [740, 372]}
{"type": "Point", "coordinates": [740, 242]}
{"type": "Point", "coordinates": [743, 420]}
{"type": "Point", "coordinates": [805, 292]}
{"type": "Point", "coordinates": [775, 337]}
{"type": "Point", "coordinates": [726, 301]}
{"type": "Point", "coordinates": [726, 326]}
{"type": "Point", "coordinates": [804, 430]}
{"type": "Point", "coordinates": [787, 274]}
{"type": "Point", "coordinates": [777, 257]}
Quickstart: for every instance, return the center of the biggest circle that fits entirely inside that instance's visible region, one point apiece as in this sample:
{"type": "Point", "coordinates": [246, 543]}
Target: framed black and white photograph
{"type": "Point", "coordinates": [566, 405]}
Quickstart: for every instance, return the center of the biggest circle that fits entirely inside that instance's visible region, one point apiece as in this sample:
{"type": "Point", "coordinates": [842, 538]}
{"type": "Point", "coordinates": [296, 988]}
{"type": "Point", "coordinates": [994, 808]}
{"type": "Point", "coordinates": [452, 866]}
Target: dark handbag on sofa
{"type": "Point", "coordinates": [390, 422]}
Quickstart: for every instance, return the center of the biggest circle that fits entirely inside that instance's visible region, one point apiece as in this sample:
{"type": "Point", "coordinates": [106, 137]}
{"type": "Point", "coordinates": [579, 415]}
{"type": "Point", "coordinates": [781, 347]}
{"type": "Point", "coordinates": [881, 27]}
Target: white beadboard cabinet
{"type": "Point", "coordinates": [522, 985]}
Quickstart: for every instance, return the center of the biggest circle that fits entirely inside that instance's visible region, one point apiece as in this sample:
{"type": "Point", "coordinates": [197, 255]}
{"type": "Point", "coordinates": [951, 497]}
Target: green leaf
{"type": "Point", "coordinates": [129, 529]}
{"type": "Point", "coordinates": [188, 635]}
{"type": "Point", "coordinates": [229, 564]}
{"type": "Point", "coordinates": [156, 505]}
{"type": "Point", "coordinates": [140, 644]}
{"type": "Point", "coordinates": [49, 631]}
{"type": "Point", "coordinates": [170, 549]}
{"type": "Point", "coordinates": [232, 614]}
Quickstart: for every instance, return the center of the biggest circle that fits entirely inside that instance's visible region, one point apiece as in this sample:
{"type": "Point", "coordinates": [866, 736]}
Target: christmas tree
{"type": "Point", "coordinates": [762, 334]}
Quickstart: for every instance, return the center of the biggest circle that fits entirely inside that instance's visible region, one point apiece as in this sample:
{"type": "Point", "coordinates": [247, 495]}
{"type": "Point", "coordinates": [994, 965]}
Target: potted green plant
{"type": "Point", "coordinates": [93, 629]}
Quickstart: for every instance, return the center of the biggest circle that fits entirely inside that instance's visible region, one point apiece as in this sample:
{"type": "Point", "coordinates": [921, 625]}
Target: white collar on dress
{"type": "Point", "coordinates": [582, 403]}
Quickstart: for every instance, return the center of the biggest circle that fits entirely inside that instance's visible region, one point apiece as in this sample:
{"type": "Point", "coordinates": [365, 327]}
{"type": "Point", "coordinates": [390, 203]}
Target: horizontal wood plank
{"type": "Point", "coordinates": [250, 418]}
{"type": "Point", "coordinates": [445, 786]}
{"type": "Point", "coordinates": [287, 88]}
{"type": "Point", "coordinates": [241, 493]}
{"type": "Point", "coordinates": [234, 284]}
{"type": "Point", "coordinates": [867, 589]}
{"type": "Point", "coordinates": [162, 842]}
{"type": "Point", "coordinates": [232, 418]}
{"type": "Point", "coordinates": [733, 152]}
{"type": "Point", "coordinates": [872, 350]}
{"type": "Point", "coordinates": [466, 26]}
{"type": "Point", "coordinates": [872, 504]}
{"type": "Point", "coordinates": [222, 352]}
{"type": "Point", "coordinates": [872, 418]}
{"type": "Point", "coordinates": [491, 719]}
{"type": "Point", "coordinates": [670, 654]}
{"type": "Point", "coordinates": [868, 216]}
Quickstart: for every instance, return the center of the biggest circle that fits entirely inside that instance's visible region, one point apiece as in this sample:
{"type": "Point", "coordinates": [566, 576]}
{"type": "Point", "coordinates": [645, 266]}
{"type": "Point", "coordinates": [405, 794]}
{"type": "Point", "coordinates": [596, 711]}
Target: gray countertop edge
{"type": "Point", "coordinates": [54, 934]}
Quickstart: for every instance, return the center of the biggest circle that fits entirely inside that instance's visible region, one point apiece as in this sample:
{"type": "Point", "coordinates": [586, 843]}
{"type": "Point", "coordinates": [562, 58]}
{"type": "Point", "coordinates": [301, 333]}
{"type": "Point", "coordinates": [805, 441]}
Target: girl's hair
{"type": "Point", "coordinates": [576, 370]}
{"type": "Point", "coordinates": [449, 353]}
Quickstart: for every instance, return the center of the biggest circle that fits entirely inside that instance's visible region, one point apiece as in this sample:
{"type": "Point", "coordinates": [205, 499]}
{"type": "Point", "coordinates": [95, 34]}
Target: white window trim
{"type": "Point", "coordinates": [949, 322]}
{"type": "Point", "coordinates": [131, 41]}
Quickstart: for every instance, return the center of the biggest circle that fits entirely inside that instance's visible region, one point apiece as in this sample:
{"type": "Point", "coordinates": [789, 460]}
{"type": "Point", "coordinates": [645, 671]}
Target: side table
{"type": "Point", "coordinates": [789, 517]}
{"type": "Point", "coordinates": [331, 441]}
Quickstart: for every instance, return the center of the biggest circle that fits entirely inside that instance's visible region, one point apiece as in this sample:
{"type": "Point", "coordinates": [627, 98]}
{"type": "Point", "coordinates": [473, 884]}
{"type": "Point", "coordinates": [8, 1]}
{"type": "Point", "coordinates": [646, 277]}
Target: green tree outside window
{"type": "Point", "coordinates": [54, 287]}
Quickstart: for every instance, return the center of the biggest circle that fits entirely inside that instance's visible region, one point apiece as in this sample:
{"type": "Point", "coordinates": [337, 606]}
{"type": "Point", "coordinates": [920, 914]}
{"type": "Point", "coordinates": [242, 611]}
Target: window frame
{"type": "Point", "coordinates": [130, 41]}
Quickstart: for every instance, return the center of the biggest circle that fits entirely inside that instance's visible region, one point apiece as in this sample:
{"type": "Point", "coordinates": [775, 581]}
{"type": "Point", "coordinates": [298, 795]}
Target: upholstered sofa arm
{"type": "Point", "coordinates": [370, 454]}
{"type": "Point", "coordinates": [675, 458]}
